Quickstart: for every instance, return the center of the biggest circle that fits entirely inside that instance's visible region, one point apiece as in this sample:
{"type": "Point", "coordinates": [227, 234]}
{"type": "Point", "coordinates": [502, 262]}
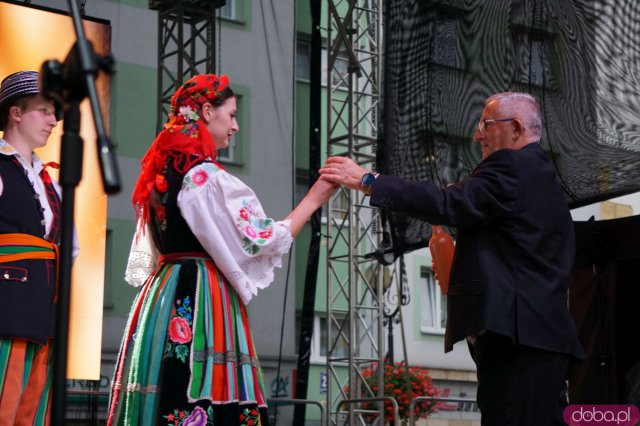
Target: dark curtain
{"type": "Point", "coordinates": [603, 298]}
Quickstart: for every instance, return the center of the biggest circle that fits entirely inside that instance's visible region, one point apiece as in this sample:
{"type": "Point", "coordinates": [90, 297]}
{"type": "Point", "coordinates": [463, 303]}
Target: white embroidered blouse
{"type": "Point", "coordinates": [228, 220]}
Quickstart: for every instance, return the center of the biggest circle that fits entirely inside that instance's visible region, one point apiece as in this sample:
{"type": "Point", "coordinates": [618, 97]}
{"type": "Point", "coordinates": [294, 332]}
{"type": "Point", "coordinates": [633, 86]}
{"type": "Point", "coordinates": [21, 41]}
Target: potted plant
{"type": "Point", "coordinates": [403, 383]}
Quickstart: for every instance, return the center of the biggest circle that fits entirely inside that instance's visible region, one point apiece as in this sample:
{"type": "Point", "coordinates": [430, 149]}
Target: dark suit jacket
{"type": "Point", "coordinates": [514, 248]}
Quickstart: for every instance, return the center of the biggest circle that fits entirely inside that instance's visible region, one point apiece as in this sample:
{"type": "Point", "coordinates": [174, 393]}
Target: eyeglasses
{"type": "Point", "coordinates": [482, 124]}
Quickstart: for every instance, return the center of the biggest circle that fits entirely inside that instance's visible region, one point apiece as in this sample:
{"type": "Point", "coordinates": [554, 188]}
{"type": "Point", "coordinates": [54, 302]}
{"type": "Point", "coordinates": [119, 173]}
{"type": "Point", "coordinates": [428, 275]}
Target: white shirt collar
{"type": "Point", "coordinates": [7, 149]}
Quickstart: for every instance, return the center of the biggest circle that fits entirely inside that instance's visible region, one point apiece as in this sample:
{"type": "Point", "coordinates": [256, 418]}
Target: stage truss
{"type": "Point", "coordinates": [186, 45]}
{"type": "Point", "coordinates": [355, 311]}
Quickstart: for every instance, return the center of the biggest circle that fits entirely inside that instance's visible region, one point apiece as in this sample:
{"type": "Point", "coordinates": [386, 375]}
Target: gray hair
{"type": "Point", "coordinates": [523, 106]}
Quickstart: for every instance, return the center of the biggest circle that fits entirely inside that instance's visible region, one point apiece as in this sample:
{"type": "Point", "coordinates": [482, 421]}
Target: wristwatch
{"type": "Point", "coordinates": [367, 180]}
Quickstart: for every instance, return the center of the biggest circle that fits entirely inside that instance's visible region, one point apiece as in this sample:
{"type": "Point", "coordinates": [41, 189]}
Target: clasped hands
{"type": "Point", "coordinates": [342, 171]}
{"type": "Point", "coordinates": [336, 171]}
{"type": "Point", "coordinates": [346, 172]}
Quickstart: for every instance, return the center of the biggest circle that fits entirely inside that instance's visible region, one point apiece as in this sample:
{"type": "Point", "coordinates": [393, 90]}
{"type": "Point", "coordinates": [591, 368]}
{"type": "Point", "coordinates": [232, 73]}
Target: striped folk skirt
{"type": "Point", "coordinates": [26, 373]}
{"type": "Point", "coordinates": [187, 356]}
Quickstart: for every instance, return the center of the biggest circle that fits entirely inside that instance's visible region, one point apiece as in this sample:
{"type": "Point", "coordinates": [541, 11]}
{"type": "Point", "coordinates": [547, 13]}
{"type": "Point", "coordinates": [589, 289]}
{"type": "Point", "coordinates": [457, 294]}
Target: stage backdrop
{"type": "Point", "coordinates": [443, 58]}
{"type": "Point", "coordinates": [30, 36]}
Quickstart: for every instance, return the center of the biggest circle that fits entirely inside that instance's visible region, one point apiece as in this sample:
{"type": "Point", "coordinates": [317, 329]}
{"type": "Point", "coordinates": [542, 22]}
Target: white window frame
{"type": "Point", "coordinates": [227, 154]}
{"type": "Point", "coordinates": [229, 11]}
{"type": "Point", "coordinates": [341, 59]}
{"type": "Point", "coordinates": [319, 340]}
{"type": "Point", "coordinates": [433, 310]}
{"type": "Point", "coordinates": [342, 62]}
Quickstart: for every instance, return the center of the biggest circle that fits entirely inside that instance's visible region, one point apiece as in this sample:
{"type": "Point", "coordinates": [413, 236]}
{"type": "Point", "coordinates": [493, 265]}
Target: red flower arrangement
{"type": "Point", "coordinates": [395, 385]}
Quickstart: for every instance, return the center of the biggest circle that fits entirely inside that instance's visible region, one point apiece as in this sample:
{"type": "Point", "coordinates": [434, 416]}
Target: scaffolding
{"type": "Point", "coordinates": [355, 311]}
{"type": "Point", "coordinates": [186, 45]}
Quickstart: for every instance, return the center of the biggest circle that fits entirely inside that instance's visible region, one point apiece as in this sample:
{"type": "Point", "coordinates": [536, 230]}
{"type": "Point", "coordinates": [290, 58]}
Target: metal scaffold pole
{"type": "Point", "coordinates": [355, 330]}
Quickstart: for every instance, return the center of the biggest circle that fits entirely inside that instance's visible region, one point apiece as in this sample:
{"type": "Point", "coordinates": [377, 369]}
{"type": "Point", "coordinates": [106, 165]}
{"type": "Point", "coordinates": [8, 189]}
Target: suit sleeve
{"type": "Point", "coordinates": [489, 193]}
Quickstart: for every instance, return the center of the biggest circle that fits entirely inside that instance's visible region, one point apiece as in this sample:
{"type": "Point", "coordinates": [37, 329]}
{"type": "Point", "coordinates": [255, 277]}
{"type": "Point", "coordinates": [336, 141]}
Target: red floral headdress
{"type": "Point", "coordinates": [184, 137]}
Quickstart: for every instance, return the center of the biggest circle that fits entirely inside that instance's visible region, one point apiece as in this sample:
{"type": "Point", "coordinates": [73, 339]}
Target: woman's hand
{"type": "Point", "coordinates": [321, 191]}
{"type": "Point", "coordinates": [319, 194]}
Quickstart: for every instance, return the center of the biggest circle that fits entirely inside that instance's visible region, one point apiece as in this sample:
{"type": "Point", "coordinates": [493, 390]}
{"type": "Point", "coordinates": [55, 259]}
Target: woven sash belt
{"type": "Point", "coordinates": [24, 246]}
{"type": "Point", "coordinates": [178, 256]}
{"type": "Point", "coordinates": [15, 247]}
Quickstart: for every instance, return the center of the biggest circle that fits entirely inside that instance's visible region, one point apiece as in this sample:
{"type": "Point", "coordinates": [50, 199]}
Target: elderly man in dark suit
{"type": "Point", "coordinates": [512, 264]}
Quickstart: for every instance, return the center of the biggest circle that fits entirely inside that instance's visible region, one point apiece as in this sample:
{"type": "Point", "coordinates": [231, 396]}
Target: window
{"type": "Point", "coordinates": [446, 50]}
{"type": "Point", "coordinates": [533, 58]}
{"type": "Point", "coordinates": [302, 186]}
{"type": "Point", "coordinates": [434, 315]}
{"type": "Point", "coordinates": [228, 11]}
{"type": "Point", "coordinates": [303, 61]}
{"type": "Point", "coordinates": [319, 341]}
{"type": "Point", "coordinates": [230, 154]}
{"type": "Point", "coordinates": [340, 73]}
{"type": "Point", "coordinates": [340, 76]}
{"type": "Point", "coordinates": [226, 154]}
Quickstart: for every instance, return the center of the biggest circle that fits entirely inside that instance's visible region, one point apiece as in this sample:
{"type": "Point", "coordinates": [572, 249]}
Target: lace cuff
{"type": "Point", "coordinates": [139, 267]}
{"type": "Point", "coordinates": [258, 272]}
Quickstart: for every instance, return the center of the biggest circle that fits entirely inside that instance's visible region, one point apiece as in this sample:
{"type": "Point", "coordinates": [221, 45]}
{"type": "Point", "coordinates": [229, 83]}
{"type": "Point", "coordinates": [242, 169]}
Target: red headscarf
{"type": "Point", "coordinates": [184, 137]}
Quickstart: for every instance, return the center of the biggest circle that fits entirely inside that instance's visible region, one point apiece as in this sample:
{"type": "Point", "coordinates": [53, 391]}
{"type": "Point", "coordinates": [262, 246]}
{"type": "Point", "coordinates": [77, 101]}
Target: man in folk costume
{"type": "Point", "coordinates": [29, 240]}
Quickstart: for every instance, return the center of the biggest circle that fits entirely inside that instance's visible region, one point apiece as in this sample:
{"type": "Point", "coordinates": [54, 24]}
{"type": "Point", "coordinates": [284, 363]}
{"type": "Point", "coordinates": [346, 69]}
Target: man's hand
{"type": "Point", "coordinates": [343, 171]}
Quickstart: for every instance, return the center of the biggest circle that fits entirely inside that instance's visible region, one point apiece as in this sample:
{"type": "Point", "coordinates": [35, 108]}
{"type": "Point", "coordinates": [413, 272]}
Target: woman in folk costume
{"type": "Point", "coordinates": [203, 248]}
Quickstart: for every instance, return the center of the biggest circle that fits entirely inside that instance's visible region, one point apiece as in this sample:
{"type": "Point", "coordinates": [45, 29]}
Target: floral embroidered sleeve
{"type": "Point", "coordinates": [228, 220]}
